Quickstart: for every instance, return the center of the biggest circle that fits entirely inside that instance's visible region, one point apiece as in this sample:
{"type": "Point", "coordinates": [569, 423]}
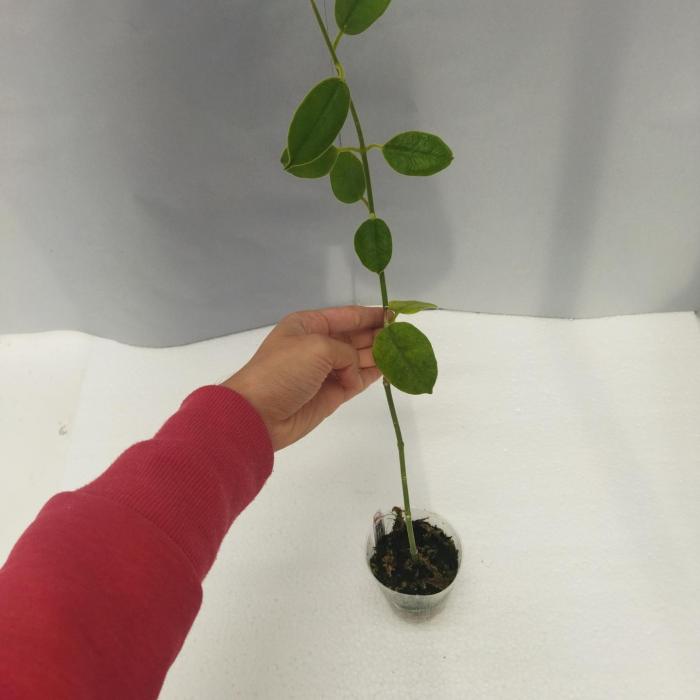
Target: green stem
{"type": "Point", "coordinates": [404, 481]}
{"type": "Point", "coordinates": [382, 287]}
{"type": "Point", "coordinates": [363, 155]}
{"type": "Point", "coordinates": [382, 281]}
{"type": "Point", "coordinates": [341, 33]}
{"type": "Point", "coordinates": [331, 48]}
{"type": "Point", "coordinates": [358, 127]}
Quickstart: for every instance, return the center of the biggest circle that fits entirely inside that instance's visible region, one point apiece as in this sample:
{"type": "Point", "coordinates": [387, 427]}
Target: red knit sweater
{"type": "Point", "coordinates": [98, 594]}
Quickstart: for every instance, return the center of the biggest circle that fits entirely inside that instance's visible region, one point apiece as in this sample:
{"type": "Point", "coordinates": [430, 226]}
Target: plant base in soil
{"type": "Point", "coordinates": [435, 568]}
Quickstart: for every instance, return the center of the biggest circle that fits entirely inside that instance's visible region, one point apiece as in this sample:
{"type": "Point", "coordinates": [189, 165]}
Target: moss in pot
{"type": "Point", "coordinates": [416, 561]}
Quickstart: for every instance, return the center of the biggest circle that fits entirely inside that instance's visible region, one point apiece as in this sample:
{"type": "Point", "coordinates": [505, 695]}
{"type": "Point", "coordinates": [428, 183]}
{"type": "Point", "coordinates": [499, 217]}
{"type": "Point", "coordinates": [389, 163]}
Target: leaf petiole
{"type": "Point", "coordinates": [357, 149]}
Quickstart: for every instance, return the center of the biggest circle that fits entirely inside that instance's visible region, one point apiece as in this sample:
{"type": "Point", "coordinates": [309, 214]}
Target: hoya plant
{"type": "Point", "coordinates": [402, 353]}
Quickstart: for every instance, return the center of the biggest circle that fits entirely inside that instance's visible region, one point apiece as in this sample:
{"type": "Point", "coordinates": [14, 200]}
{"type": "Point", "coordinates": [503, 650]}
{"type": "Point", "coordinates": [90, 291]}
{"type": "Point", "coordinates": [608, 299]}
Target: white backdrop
{"type": "Point", "coordinates": [142, 198]}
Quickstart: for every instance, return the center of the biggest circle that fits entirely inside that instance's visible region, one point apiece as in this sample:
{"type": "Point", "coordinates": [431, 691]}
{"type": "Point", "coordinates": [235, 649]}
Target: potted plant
{"type": "Point", "coordinates": [415, 560]}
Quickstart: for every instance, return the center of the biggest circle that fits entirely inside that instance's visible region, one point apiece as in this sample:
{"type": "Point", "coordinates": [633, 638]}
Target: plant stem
{"type": "Point", "coordinates": [338, 38]}
{"type": "Point", "coordinates": [363, 155]}
{"type": "Point", "coordinates": [382, 287]}
{"type": "Point", "coordinates": [385, 298]}
{"type": "Point", "coordinates": [404, 481]}
{"type": "Point", "coordinates": [358, 127]}
{"type": "Point", "coordinates": [399, 438]}
{"type": "Point", "coordinates": [338, 65]}
{"type": "Point", "coordinates": [382, 284]}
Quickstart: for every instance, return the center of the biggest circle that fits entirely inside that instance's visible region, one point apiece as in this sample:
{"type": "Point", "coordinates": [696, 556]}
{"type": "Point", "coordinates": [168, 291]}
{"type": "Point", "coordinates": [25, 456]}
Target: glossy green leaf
{"type": "Point", "coordinates": [410, 307]}
{"type": "Point", "coordinates": [373, 244]}
{"type": "Point", "coordinates": [417, 153]}
{"type": "Point", "coordinates": [405, 357]}
{"type": "Point", "coordinates": [317, 121]}
{"type": "Point", "coordinates": [354, 16]}
{"type": "Point", "coordinates": [316, 168]}
{"type": "Point", "coordinates": [348, 178]}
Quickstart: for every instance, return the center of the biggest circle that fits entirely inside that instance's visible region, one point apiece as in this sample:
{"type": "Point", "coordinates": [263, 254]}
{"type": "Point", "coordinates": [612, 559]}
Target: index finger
{"type": "Point", "coordinates": [334, 320]}
{"type": "Point", "coordinates": [348, 319]}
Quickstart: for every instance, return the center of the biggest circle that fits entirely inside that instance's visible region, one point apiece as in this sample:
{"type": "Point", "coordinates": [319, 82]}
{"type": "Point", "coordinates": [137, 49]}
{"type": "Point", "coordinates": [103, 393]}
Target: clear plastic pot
{"type": "Point", "coordinates": [414, 604]}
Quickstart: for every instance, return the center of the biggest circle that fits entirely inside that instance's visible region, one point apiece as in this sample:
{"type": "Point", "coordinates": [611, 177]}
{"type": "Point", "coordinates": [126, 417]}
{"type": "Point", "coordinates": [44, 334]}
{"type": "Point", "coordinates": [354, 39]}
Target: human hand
{"type": "Point", "coordinates": [309, 364]}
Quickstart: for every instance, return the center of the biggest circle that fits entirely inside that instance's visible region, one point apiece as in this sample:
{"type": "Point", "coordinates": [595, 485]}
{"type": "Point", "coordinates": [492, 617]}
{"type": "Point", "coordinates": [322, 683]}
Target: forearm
{"type": "Point", "coordinates": [99, 593]}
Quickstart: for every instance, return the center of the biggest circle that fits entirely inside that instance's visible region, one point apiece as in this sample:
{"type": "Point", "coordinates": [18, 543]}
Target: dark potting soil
{"type": "Point", "coordinates": [437, 562]}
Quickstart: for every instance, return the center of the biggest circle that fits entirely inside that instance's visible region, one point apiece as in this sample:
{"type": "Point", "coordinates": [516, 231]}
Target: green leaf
{"type": "Point", "coordinates": [410, 307]}
{"type": "Point", "coordinates": [405, 357]}
{"type": "Point", "coordinates": [316, 168]}
{"type": "Point", "coordinates": [373, 244]}
{"type": "Point", "coordinates": [354, 16]}
{"type": "Point", "coordinates": [348, 178]}
{"type": "Point", "coordinates": [317, 121]}
{"type": "Point", "coordinates": [417, 153]}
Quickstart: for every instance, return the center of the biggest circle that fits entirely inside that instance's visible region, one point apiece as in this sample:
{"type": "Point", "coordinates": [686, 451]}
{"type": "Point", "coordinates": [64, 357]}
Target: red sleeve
{"type": "Point", "coordinates": [98, 594]}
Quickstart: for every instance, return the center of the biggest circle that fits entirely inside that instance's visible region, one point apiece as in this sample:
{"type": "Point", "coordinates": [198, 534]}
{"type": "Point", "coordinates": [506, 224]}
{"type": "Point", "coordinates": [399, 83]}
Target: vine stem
{"type": "Point", "coordinates": [331, 48]}
{"type": "Point", "coordinates": [404, 479]}
{"type": "Point", "coordinates": [363, 156]}
{"type": "Point", "coordinates": [382, 283]}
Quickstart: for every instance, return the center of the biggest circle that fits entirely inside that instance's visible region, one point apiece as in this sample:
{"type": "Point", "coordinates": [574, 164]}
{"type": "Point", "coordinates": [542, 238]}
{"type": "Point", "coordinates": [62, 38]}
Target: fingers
{"type": "Point", "coordinates": [333, 321]}
{"type": "Point", "coordinates": [352, 369]}
{"type": "Point", "coordinates": [365, 357]}
{"type": "Point", "coordinates": [332, 395]}
{"type": "Point", "coordinates": [351, 319]}
{"type": "Point", "coordinates": [361, 339]}
{"type": "Point", "coordinates": [370, 375]}
{"type": "Point", "coordinates": [346, 364]}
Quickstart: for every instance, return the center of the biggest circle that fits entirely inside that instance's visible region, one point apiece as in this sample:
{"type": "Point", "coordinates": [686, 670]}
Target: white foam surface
{"type": "Point", "coordinates": [566, 453]}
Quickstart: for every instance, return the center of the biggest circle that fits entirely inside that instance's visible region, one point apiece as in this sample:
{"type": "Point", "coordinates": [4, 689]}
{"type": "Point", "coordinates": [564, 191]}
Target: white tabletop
{"type": "Point", "coordinates": [566, 453]}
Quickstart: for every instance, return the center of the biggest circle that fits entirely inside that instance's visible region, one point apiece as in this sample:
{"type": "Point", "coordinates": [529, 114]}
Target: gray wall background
{"type": "Point", "coordinates": [141, 196]}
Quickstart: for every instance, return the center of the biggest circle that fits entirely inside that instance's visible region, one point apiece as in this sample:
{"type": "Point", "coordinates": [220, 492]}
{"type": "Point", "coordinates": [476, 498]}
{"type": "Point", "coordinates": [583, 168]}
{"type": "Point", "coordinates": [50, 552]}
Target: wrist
{"type": "Point", "coordinates": [239, 385]}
